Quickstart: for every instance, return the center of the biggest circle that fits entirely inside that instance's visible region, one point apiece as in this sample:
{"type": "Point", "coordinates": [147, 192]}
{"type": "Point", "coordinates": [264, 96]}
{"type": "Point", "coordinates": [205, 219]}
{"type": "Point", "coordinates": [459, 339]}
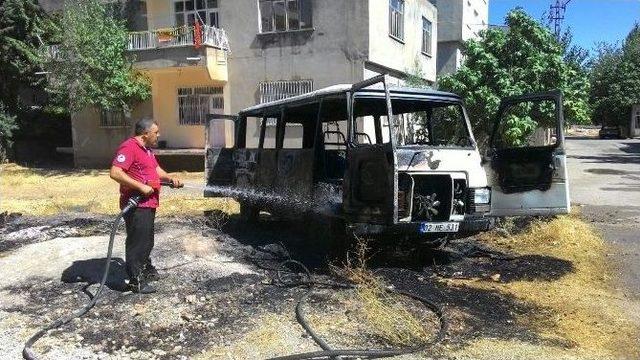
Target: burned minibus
{"type": "Point", "coordinates": [381, 160]}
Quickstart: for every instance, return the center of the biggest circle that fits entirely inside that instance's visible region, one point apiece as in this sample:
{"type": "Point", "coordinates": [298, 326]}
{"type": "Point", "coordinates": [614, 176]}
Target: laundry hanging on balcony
{"type": "Point", "coordinates": [197, 35]}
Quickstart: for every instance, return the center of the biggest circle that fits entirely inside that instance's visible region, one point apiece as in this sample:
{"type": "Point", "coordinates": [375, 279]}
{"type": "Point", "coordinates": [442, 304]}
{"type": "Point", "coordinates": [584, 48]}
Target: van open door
{"type": "Point", "coordinates": [371, 179]}
{"type": "Point", "coordinates": [527, 169]}
{"type": "Point", "coordinates": [220, 144]}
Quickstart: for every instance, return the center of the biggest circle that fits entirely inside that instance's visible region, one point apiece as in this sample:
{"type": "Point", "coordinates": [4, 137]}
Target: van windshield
{"type": "Point", "coordinates": [415, 121]}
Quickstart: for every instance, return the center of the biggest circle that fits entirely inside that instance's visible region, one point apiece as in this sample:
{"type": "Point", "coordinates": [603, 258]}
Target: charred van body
{"type": "Point", "coordinates": [388, 160]}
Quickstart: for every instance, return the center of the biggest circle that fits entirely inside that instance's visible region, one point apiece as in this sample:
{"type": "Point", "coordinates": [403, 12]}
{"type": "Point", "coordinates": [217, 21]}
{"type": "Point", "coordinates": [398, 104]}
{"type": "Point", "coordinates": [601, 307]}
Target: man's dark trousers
{"type": "Point", "coordinates": [139, 223]}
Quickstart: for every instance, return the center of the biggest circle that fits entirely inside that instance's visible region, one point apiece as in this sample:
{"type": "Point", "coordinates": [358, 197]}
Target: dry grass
{"type": "Point", "coordinates": [389, 316]}
{"type": "Point", "coordinates": [49, 192]}
{"type": "Point", "coordinates": [271, 335]}
{"type": "Point", "coordinates": [495, 349]}
{"type": "Point", "coordinates": [583, 307]}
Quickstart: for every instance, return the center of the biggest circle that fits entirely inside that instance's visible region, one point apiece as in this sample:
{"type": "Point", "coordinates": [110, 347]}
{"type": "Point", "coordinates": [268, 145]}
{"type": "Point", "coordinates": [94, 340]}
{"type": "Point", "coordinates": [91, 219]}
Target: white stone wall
{"type": "Point", "coordinates": [458, 21]}
{"type": "Point", "coordinates": [403, 55]}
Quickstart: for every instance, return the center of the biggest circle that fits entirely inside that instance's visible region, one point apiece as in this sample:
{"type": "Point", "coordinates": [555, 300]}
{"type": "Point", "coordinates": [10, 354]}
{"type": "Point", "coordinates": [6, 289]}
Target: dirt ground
{"type": "Point", "coordinates": [533, 289]}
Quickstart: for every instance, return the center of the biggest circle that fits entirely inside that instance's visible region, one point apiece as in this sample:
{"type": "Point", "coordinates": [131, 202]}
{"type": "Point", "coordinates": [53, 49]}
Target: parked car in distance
{"type": "Point", "coordinates": [610, 132]}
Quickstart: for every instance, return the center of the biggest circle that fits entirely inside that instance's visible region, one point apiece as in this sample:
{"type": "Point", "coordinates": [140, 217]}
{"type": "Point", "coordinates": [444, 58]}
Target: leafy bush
{"type": "Point", "coordinates": [7, 125]}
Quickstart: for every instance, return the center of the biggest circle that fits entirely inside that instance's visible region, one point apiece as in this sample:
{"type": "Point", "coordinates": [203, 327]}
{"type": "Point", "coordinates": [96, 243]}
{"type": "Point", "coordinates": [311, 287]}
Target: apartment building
{"type": "Point", "coordinates": [220, 56]}
{"type": "Point", "coordinates": [458, 21]}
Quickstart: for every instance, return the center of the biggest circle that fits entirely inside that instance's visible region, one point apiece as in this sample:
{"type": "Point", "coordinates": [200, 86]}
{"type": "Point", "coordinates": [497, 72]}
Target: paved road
{"type": "Point", "coordinates": [604, 177]}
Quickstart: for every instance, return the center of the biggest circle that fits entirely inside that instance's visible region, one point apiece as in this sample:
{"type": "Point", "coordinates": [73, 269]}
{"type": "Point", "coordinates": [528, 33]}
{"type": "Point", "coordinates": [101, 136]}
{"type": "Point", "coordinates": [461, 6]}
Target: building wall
{"type": "Point", "coordinates": [346, 35]}
{"type": "Point", "coordinates": [475, 18]}
{"type": "Point", "coordinates": [164, 93]}
{"type": "Point", "coordinates": [458, 21]}
{"type": "Point", "coordinates": [51, 5]}
{"type": "Point", "coordinates": [407, 54]}
{"type": "Point", "coordinates": [94, 146]}
{"type": "Point", "coordinates": [634, 124]}
{"type": "Point", "coordinates": [332, 52]}
{"type": "Point", "coordinates": [449, 20]}
{"type": "Point", "coordinates": [449, 57]}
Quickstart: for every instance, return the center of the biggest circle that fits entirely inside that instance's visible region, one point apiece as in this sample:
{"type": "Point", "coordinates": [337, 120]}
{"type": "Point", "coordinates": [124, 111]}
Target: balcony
{"type": "Point", "coordinates": [178, 37]}
{"type": "Point", "coordinates": [182, 47]}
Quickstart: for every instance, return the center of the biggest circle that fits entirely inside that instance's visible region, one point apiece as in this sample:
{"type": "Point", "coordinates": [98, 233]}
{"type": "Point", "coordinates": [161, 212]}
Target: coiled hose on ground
{"type": "Point", "coordinates": [27, 351]}
{"type": "Point", "coordinates": [327, 351]}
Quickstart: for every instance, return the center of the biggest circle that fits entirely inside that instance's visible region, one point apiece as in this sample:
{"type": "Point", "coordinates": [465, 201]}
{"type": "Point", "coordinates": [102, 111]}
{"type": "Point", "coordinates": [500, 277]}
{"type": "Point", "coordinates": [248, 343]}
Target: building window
{"type": "Point", "coordinates": [284, 15]}
{"type": "Point", "coordinates": [112, 119]}
{"type": "Point", "coordinates": [194, 104]}
{"type": "Point", "coordinates": [396, 19]}
{"type": "Point", "coordinates": [188, 11]}
{"type": "Point", "coordinates": [278, 90]}
{"type": "Point", "coordinates": [426, 36]}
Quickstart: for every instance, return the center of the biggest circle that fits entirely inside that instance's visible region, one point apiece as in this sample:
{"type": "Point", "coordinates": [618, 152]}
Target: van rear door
{"type": "Point", "coordinates": [220, 145]}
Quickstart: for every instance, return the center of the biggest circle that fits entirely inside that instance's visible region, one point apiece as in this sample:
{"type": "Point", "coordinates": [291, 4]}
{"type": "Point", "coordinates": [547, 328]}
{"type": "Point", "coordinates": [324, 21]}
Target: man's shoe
{"type": "Point", "coordinates": [150, 273]}
{"type": "Point", "coordinates": [141, 287]}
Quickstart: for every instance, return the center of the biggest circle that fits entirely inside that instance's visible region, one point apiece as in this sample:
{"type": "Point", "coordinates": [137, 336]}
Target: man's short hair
{"type": "Point", "coordinates": [143, 125]}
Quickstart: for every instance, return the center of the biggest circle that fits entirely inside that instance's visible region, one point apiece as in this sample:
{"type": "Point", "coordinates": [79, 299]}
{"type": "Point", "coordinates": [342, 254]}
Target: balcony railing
{"type": "Point", "coordinates": [181, 36]}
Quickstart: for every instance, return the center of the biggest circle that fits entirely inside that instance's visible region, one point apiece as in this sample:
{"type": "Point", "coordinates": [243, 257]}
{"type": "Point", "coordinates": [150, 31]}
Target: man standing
{"type": "Point", "coordinates": [136, 170]}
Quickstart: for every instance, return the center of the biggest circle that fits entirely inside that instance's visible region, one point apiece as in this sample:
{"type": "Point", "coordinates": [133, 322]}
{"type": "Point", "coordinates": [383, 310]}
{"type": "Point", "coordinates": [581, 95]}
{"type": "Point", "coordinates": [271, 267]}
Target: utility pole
{"type": "Point", "coordinates": [556, 15]}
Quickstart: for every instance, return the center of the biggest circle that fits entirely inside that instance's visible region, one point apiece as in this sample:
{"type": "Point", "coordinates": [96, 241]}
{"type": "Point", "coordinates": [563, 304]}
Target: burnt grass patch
{"type": "Point", "coordinates": [218, 311]}
{"type": "Point", "coordinates": [215, 312]}
{"type": "Point", "coordinates": [17, 230]}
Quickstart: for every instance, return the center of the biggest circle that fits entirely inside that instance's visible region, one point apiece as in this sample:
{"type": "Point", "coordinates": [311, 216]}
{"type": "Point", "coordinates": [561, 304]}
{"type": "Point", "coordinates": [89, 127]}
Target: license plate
{"type": "Point", "coordinates": [439, 227]}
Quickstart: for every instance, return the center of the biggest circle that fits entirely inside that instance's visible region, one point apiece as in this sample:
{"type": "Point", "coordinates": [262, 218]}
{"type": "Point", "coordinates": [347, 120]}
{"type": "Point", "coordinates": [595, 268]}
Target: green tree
{"type": "Point", "coordinates": [524, 58]}
{"type": "Point", "coordinates": [91, 67]}
{"type": "Point", "coordinates": [615, 80]}
{"type": "Point", "coordinates": [22, 27]}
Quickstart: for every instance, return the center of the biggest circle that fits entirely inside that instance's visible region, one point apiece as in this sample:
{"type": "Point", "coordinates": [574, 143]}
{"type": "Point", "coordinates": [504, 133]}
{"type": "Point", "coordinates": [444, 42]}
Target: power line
{"type": "Point", "coordinates": [556, 15]}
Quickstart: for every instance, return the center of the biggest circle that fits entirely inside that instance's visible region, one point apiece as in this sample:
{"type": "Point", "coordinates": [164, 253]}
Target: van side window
{"type": "Point", "coordinates": [253, 132]}
{"type": "Point", "coordinates": [270, 130]}
{"type": "Point", "coordinates": [371, 125]}
{"type": "Point", "coordinates": [332, 138]}
{"type": "Point", "coordinates": [333, 117]}
{"type": "Point", "coordinates": [300, 124]}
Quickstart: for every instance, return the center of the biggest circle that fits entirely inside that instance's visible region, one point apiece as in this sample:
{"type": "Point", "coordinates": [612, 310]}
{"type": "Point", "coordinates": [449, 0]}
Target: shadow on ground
{"type": "Point", "coordinates": [91, 272]}
{"type": "Point", "coordinates": [631, 150]}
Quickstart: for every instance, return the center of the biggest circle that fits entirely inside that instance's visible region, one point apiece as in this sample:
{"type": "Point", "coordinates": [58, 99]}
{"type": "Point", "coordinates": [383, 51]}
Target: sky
{"type": "Point", "coordinates": [591, 21]}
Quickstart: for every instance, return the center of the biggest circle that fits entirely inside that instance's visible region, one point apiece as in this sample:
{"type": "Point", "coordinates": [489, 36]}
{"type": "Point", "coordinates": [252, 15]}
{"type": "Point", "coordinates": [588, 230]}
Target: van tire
{"type": "Point", "coordinates": [248, 212]}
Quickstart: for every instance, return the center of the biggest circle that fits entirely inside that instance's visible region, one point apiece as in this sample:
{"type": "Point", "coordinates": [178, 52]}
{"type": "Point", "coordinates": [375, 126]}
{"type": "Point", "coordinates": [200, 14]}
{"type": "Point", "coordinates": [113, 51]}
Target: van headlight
{"type": "Point", "coordinates": [482, 196]}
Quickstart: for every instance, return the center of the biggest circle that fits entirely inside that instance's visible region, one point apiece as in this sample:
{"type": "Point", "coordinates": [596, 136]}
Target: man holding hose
{"type": "Point", "coordinates": [136, 170]}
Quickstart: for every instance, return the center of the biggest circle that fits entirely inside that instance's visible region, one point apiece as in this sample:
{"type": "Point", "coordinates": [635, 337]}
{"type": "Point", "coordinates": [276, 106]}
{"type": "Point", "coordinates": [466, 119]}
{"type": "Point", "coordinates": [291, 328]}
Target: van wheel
{"type": "Point", "coordinates": [248, 212]}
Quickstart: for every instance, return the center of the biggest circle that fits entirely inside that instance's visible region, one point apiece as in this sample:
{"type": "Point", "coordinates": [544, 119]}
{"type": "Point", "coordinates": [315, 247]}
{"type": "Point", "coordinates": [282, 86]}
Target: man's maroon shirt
{"type": "Point", "coordinates": [140, 164]}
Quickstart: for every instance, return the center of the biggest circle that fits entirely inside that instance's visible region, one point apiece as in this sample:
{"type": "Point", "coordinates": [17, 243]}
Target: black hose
{"type": "Point", "coordinates": [327, 351]}
{"type": "Point", "coordinates": [27, 351]}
